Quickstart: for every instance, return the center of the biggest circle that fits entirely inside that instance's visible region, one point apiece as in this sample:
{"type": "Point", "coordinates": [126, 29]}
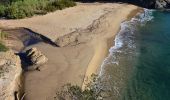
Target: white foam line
{"type": "Point", "coordinates": [142, 19]}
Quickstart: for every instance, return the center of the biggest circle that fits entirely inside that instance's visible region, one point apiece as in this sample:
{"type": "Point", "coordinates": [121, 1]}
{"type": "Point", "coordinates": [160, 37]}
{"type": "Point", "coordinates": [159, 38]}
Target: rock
{"type": "Point", "coordinates": [31, 51]}
{"type": "Point", "coordinates": [161, 4]}
{"type": "Point", "coordinates": [10, 73]}
{"type": "Point", "coordinates": [67, 39]}
{"type": "Point", "coordinates": [36, 57]}
{"type": "Point", "coordinates": [40, 60]}
{"type": "Point", "coordinates": [2, 62]}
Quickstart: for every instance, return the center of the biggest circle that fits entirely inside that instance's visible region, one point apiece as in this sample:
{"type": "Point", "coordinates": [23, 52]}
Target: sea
{"type": "Point", "coordinates": [138, 65]}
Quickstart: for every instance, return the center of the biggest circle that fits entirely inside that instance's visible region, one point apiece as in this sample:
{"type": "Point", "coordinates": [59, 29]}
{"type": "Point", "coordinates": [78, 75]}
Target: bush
{"type": "Point", "coordinates": [92, 91]}
{"type": "Point", "coordinates": [2, 10]}
{"type": "Point", "coordinates": [59, 4]}
{"type": "Point", "coordinates": [14, 11]}
{"type": "Point", "coordinates": [3, 47]}
{"type": "Point", "coordinates": [17, 9]}
{"type": "Point", "coordinates": [2, 36]}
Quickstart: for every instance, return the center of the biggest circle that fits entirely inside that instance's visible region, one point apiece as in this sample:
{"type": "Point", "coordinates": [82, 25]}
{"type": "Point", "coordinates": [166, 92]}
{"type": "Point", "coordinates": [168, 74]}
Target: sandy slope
{"type": "Point", "coordinates": [71, 63]}
{"type": "Point", "coordinates": [62, 22]}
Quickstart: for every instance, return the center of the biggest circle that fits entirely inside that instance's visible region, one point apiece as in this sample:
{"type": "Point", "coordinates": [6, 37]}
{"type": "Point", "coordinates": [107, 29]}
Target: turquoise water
{"type": "Point", "coordinates": [138, 67]}
{"type": "Point", "coordinates": [151, 80]}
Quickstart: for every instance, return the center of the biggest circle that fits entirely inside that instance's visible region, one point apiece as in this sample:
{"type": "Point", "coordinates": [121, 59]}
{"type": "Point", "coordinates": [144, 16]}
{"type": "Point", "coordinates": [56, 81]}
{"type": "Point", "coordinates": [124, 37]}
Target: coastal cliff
{"type": "Point", "coordinates": [154, 4]}
{"type": "Point", "coordinates": [10, 73]}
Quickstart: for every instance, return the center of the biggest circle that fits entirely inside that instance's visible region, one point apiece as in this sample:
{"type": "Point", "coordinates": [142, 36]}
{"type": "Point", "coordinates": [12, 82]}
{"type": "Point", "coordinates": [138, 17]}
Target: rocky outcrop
{"type": "Point", "coordinates": [36, 57]}
{"type": "Point", "coordinates": [161, 4]}
{"type": "Point", "coordinates": [10, 73]}
{"type": "Point", "coordinates": [158, 4]}
{"type": "Point", "coordinates": [81, 35]}
{"type": "Point", "coordinates": [67, 39]}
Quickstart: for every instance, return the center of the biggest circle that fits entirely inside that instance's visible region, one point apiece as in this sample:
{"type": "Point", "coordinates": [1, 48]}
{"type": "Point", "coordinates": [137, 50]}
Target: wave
{"type": "Point", "coordinates": [122, 54]}
{"type": "Point", "coordinates": [124, 41]}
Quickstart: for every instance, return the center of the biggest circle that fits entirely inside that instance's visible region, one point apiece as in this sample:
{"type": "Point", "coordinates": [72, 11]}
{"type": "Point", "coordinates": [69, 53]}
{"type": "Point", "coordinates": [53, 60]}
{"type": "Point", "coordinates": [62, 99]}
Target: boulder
{"type": "Point", "coordinates": [36, 57]}
{"type": "Point", "coordinates": [161, 4]}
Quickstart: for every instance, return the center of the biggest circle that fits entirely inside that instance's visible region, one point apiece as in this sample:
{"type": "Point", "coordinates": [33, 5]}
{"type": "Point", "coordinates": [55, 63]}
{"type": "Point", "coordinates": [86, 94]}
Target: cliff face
{"type": "Point", "coordinates": [162, 4]}
{"type": "Point", "coordinates": [158, 4]}
{"type": "Point", "coordinates": [10, 73]}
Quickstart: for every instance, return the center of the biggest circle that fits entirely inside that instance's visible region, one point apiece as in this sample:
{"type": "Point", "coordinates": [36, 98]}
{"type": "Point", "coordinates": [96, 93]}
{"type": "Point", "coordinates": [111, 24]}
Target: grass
{"type": "Point", "coordinates": [18, 9]}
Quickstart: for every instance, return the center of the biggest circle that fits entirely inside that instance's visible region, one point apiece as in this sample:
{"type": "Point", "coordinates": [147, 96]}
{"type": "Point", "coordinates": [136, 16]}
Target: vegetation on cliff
{"type": "Point", "coordinates": [3, 47]}
{"type": "Point", "coordinates": [96, 89]}
{"type": "Point", "coordinates": [2, 36]}
{"type": "Point", "coordinates": [16, 9]}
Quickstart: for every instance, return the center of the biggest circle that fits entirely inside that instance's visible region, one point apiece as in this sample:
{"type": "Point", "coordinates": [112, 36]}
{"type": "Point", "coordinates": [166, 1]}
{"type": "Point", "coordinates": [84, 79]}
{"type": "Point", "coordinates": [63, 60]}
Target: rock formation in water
{"type": "Point", "coordinates": [10, 74]}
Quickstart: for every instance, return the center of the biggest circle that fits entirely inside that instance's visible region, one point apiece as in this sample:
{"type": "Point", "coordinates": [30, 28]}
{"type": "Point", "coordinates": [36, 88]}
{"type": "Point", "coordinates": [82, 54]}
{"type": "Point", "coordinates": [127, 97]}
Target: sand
{"type": "Point", "coordinates": [71, 64]}
{"type": "Point", "coordinates": [61, 22]}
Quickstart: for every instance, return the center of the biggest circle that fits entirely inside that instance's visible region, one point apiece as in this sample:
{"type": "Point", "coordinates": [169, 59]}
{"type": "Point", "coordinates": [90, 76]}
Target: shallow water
{"type": "Point", "coordinates": [138, 66]}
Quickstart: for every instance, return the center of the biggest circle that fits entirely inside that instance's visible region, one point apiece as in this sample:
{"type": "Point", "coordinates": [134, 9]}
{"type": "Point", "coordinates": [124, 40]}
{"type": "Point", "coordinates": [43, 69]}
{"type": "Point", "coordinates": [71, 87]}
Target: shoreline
{"type": "Point", "coordinates": [71, 64]}
{"type": "Point", "coordinates": [102, 49]}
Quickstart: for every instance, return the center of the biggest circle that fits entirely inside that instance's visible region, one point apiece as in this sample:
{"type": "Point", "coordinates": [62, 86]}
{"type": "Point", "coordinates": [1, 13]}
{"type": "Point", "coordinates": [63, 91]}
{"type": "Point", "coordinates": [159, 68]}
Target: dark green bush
{"type": "Point", "coordinates": [14, 11]}
{"type": "Point", "coordinates": [17, 9]}
{"type": "Point", "coordinates": [59, 4]}
{"type": "Point", "coordinates": [2, 10]}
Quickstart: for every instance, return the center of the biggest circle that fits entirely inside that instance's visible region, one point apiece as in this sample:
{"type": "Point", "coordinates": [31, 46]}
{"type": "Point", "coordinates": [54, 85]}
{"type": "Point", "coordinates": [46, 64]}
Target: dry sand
{"type": "Point", "coordinates": [59, 23]}
{"type": "Point", "coordinates": [71, 63]}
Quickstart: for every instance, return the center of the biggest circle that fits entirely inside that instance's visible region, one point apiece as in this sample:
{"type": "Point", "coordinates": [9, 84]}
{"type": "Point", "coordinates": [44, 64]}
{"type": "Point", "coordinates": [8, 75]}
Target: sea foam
{"type": "Point", "coordinates": [124, 38]}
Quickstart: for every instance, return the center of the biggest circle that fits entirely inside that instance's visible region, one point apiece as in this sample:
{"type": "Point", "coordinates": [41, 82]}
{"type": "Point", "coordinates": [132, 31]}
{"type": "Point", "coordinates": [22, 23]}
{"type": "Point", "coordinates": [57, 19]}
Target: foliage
{"type": "Point", "coordinates": [93, 91]}
{"type": "Point", "coordinates": [59, 4]}
{"type": "Point", "coordinates": [2, 36]}
{"type": "Point", "coordinates": [3, 47]}
{"type": "Point", "coordinates": [16, 9]}
{"type": "Point", "coordinates": [2, 10]}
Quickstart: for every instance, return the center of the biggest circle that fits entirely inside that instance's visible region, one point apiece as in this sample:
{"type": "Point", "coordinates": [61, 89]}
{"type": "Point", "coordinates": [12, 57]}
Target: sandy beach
{"type": "Point", "coordinates": [97, 23]}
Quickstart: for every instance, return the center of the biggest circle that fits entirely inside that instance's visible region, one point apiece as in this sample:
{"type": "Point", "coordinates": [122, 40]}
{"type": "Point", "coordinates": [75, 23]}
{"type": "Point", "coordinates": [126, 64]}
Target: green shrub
{"type": "Point", "coordinates": [17, 9]}
{"type": "Point", "coordinates": [2, 10]}
{"type": "Point", "coordinates": [92, 91]}
{"type": "Point", "coordinates": [3, 35]}
{"type": "Point", "coordinates": [59, 4]}
{"type": "Point", "coordinates": [3, 47]}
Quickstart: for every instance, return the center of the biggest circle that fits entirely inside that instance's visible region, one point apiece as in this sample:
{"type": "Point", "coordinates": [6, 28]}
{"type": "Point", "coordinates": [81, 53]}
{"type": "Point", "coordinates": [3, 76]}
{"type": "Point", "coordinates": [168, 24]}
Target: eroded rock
{"type": "Point", "coordinates": [67, 39]}
{"type": "Point", "coordinates": [161, 4]}
{"type": "Point", "coordinates": [10, 73]}
{"type": "Point", "coordinates": [36, 57]}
